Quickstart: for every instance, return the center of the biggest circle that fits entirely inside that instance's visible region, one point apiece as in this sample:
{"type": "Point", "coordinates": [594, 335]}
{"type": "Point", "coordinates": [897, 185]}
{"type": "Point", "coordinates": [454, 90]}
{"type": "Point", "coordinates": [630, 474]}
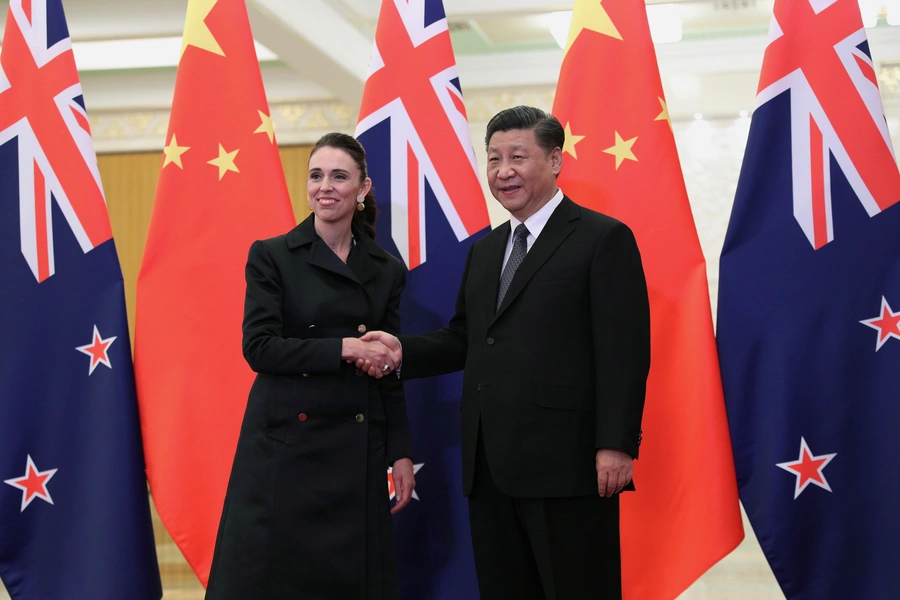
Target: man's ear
{"type": "Point", "coordinates": [556, 160]}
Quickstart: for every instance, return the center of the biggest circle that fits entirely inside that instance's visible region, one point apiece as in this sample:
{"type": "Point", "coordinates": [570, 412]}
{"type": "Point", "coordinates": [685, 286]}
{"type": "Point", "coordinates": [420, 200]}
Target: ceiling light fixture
{"type": "Point", "coordinates": [665, 23]}
{"type": "Point", "coordinates": [559, 23]}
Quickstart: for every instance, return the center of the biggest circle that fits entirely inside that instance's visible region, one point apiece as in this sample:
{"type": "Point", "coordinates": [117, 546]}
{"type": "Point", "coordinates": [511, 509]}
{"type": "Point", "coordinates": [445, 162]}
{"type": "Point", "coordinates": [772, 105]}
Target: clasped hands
{"type": "Point", "coordinates": [376, 353]}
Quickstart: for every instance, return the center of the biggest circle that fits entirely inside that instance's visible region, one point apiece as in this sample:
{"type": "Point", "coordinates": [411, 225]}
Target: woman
{"type": "Point", "coordinates": [307, 513]}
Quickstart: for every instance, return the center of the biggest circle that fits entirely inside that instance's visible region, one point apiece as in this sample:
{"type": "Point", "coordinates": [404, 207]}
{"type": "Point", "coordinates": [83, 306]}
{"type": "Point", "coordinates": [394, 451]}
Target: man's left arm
{"type": "Point", "coordinates": [621, 336]}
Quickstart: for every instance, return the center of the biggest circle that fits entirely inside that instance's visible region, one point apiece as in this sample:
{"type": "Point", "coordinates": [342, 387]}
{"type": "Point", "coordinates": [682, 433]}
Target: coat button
{"type": "Point", "coordinates": [478, 387]}
{"type": "Point", "coordinates": [490, 341]}
{"type": "Point", "coordinates": [361, 329]}
{"type": "Point", "coordinates": [306, 374]}
{"type": "Point", "coordinates": [359, 373]}
{"type": "Point", "coordinates": [360, 418]}
{"type": "Point", "coordinates": [302, 417]}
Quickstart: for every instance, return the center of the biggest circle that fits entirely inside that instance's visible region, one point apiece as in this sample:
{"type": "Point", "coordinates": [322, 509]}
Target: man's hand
{"type": "Point", "coordinates": [404, 483]}
{"type": "Point", "coordinates": [390, 341]}
{"type": "Point", "coordinates": [382, 359]}
{"type": "Point", "coordinates": [614, 470]}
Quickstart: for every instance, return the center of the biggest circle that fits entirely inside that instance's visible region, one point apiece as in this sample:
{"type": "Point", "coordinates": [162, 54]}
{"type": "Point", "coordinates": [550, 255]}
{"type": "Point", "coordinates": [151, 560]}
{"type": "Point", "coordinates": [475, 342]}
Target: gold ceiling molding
{"type": "Point", "coordinates": [295, 122]}
{"type": "Point", "coordinates": [305, 122]}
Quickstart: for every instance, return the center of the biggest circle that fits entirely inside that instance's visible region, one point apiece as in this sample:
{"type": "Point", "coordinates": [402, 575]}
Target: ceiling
{"type": "Point", "coordinates": [313, 50]}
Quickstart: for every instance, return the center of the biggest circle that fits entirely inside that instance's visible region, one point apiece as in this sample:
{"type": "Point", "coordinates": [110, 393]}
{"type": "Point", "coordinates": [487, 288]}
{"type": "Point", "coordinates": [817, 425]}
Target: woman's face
{"type": "Point", "coordinates": [333, 185]}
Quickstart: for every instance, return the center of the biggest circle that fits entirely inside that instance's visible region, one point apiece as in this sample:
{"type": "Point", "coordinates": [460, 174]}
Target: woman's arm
{"type": "Point", "coordinates": [264, 345]}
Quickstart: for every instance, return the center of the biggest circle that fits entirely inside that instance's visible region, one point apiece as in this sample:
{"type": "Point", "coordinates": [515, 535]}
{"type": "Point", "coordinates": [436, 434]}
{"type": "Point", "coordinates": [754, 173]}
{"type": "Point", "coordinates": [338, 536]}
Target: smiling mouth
{"type": "Point", "coordinates": [327, 201]}
{"type": "Point", "coordinates": [508, 189]}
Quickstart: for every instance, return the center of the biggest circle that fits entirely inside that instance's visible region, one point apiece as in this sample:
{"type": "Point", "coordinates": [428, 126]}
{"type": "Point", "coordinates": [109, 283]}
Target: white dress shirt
{"type": "Point", "coordinates": [535, 224]}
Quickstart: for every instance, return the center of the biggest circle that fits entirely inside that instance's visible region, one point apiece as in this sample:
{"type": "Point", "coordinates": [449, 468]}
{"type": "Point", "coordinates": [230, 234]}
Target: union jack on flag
{"type": "Point", "coordinates": [835, 109]}
{"type": "Point", "coordinates": [413, 125]}
{"type": "Point", "coordinates": [42, 107]}
{"type": "Point", "coordinates": [413, 84]}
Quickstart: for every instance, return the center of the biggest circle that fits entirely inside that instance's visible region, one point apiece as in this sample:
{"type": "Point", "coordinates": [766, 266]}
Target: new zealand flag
{"type": "Point", "coordinates": [431, 207]}
{"type": "Point", "coordinates": [74, 512]}
{"type": "Point", "coordinates": [808, 334]}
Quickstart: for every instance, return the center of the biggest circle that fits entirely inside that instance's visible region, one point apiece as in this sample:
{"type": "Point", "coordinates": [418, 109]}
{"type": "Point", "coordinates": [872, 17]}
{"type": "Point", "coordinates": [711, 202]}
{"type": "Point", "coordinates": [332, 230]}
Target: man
{"type": "Point", "coordinates": [552, 327]}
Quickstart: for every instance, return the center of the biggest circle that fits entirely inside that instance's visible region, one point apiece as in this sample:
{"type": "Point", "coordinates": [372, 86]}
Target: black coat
{"type": "Point", "coordinates": [560, 369]}
{"type": "Point", "coordinates": [316, 436]}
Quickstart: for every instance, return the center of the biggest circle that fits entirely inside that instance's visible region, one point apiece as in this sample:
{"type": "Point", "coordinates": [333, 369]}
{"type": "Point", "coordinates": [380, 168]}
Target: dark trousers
{"type": "Point", "coordinates": [543, 548]}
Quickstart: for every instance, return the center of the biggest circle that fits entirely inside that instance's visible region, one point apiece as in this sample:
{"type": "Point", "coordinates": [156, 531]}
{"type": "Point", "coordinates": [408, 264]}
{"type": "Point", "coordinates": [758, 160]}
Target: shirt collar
{"type": "Point", "coordinates": [536, 222]}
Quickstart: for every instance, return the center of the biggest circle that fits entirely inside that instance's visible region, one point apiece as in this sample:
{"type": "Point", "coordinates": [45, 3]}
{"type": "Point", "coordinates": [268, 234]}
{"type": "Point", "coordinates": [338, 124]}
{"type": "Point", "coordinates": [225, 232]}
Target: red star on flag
{"type": "Point", "coordinates": [888, 324]}
{"type": "Point", "coordinates": [808, 469]}
{"type": "Point", "coordinates": [33, 484]}
{"type": "Point", "coordinates": [390, 478]}
{"type": "Point", "coordinates": [97, 350]}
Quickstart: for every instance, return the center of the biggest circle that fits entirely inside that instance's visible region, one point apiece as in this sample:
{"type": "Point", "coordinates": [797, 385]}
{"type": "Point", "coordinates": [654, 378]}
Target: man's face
{"type": "Point", "coordinates": [521, 175]}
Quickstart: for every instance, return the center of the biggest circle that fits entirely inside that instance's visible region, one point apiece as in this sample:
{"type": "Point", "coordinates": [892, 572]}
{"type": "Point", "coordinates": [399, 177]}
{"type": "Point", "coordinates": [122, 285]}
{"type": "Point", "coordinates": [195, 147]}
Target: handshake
{"type": "Point", "coordinates": [376, 353]}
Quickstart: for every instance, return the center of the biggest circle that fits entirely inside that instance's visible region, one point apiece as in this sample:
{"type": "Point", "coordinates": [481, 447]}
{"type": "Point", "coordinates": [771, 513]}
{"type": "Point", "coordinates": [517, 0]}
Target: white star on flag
{"type": "Point", "coordinates": [33, 484]}
{"type": "Point", "coordinates": [390, 478]}
{"type": "Point", "coordinates": [97, 350]}
{"type": "Point", "coordinates": [808, 469]}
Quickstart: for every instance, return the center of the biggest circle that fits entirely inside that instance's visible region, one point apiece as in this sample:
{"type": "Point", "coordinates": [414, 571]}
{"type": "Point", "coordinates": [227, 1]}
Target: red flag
{"type": "Point", "coordinates": [620, 159]}
{"type": "Point", "coordinates": [221, 187]}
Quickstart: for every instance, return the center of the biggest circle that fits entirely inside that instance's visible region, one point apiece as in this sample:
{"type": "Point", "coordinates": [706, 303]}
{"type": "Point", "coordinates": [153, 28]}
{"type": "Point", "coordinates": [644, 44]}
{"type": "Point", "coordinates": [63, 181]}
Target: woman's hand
{"type": "Point", "coordinates": [383, 359]}
{"type": "Point", "coordinates": [404, 483]}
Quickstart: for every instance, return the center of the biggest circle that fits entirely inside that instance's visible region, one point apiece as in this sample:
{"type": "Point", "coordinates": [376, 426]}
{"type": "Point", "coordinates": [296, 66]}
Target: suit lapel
{"type": "Point", "coordinates": [560, 225]}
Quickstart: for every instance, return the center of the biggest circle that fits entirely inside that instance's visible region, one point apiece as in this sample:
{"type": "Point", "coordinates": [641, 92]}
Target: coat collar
{"type": "Point", "coordinates": [362, 267]}
{"type": "Point", "coordinates": [560, 225]}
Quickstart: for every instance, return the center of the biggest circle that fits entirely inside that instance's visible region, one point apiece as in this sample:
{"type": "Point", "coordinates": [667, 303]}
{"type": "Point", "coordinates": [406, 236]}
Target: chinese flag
{"type": "Point", "coordinates": [221, 187]}
{"type": "Point", "coordinates": [620, 159]}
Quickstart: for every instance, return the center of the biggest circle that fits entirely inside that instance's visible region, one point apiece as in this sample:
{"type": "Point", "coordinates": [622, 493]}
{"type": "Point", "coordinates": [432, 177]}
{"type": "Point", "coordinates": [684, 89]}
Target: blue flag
{"type": "Point", "coordinates": [809, 308]}
{"type": "Point", "coordinates": [74, 512]}
{"type": "Point", "coordinates": [431, 208]}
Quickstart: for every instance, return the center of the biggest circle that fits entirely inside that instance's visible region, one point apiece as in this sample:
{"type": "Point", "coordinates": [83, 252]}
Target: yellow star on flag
{"type": "Point", "coordinates": [664, 115]}
{"type": "Point", "coordinates": [225, 161]}
{"type": "Point", "coordinates": [267, 126]}
{"type": "Point", "coordinates": [196, 32]}
{"type": "Point", "coordinates": [590, 14]}
{"type": "Point", "coordinates": [173, 153]}
{"type": "Point", "coordinates": [622, 150]}
{"type": "Point", "coordinates": [571, 140]}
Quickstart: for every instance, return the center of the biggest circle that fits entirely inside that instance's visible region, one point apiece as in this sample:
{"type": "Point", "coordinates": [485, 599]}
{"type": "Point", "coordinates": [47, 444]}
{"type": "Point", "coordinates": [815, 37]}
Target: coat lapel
{"type": "Point", "coordinates": [320, 255]}
{"type": "Point", "coordinates": [560, 225]}
{"type": "Point", "coordinates": [362, 261]}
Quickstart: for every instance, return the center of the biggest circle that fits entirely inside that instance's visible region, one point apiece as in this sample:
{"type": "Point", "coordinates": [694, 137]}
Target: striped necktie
{"type": "Point", "coordinates": [519, 249]}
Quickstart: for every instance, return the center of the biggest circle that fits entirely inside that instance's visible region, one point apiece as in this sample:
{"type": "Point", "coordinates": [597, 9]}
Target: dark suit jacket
{"type": "Point", "coordinates": [560, 370]}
